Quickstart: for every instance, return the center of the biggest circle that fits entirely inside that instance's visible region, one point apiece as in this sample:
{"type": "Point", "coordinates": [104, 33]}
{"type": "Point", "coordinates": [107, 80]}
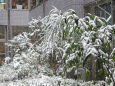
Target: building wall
{"type": "Point", "coordinates": [18, 17]}
{"type": "Point", "coordinates": [22, 17]}
{"type": "Point", "coordinates": [89, 1]}
{"type": "Point", "coordinates": [3, 17]}
{"type": "Point", "coordinates": [36, 12]}
{"type": "Point", "coordinates": [63, 5]}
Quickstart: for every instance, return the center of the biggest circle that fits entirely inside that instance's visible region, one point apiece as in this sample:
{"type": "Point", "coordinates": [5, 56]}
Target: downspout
{"type": "Point", "coordinates": [9, 28]}
{"type": "Point", "coordinates": [113, 11]}
{"type": "Point", "coordinates": [43, 8]}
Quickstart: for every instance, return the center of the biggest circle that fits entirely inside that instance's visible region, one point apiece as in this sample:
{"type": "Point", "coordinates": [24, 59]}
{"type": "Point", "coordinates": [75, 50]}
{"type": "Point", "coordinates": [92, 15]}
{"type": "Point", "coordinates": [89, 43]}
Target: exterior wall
{"type": "Point", "coordinates": [3, 17]}
{"type": "Point", "coordinates": [63, 5]}
{"type": "Point", "coordinates": [36, 12]}
{"type": "Point", "coordinates": [89, 1]}
{"type": "Point", "coordinates": [18, 17]}
{"type": "Point", "coordinates": [22, 17]}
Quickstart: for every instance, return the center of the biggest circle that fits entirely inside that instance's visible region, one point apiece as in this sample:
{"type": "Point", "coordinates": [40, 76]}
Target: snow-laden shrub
{"type": "Point", "coordinates": [71, 41]}
{"type": "Point", "coordinates": [74, 41]}
{"type": "Point", "coordinates": [67, 45]}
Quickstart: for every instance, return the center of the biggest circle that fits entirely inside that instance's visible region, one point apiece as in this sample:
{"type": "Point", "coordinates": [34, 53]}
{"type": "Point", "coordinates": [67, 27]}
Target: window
{"type": "Point", "coordinates": [2, 32]}
{"type": "Point", "coordinates": [35, 3]}
{"type": "Point", "coordinates": [104, 10]}
{"type": "Point", "coordinates": [2, 52]}
{"type": "Point", "coordinates": [19, 4]}
{"type": "Point", "coordinates": [2, 4]}
{"type": "Point", "coordinates": [2, 47]}
{"type": "Point", "coordinates": [101, 8]}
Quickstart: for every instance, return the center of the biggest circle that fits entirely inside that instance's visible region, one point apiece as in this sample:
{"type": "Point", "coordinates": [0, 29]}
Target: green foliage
{"type": "Point", "coordinates": [91, 28]}
{"type": "Point", "coordinates": [88, 74]}
{"type": "Point", "coordinates": [77, 42]}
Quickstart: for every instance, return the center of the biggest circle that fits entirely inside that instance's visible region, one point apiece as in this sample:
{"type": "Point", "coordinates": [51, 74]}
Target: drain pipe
{"type": "Point", "coordinates": [43, 8]}
{"type": "Point", "coordinates": [113, 11]}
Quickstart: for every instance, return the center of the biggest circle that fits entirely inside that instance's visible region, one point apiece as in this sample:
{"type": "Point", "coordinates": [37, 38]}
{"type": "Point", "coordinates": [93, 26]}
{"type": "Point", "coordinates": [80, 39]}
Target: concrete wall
{"type": "Point", "coordinates": [18, 17]}
{"type": "Point", "coordinates": [22, 17]}
{"type": "Point", "coordinates": [89, 1]}
{"type": "Point", "coordinates": [77, 5]}
{"type": "Point", "coordinates": [3, 17]}
{"type": "Point", "coordinates": [36, 12]}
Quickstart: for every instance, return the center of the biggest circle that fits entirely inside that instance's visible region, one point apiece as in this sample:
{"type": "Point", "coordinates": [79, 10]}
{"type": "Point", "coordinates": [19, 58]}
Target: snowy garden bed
{"type": "Point", "coordinates": [62, 50]}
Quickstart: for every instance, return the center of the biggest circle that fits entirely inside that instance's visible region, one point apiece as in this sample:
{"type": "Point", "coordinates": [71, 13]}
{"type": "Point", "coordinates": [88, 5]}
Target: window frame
{"type": "Point", "coordinates": [28, 6]}
{"type": "Point", "coordinates": [37, 4]}
{"type": "Point", "coordinates": [90, 7]}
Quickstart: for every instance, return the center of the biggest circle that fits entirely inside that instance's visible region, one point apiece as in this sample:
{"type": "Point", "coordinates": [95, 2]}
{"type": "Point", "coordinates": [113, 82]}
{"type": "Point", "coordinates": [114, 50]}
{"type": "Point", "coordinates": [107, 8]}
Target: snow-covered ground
{"type": "Point", "coordinates": [43, 80]}
{"type": "Point", "coordinates": [9, 76]}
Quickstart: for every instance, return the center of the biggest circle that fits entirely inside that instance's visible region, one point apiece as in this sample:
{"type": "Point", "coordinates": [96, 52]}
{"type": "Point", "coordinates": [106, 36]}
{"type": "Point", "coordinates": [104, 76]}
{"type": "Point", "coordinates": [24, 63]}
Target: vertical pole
{"type": "Point", "coordinates": [29, 4]}
{"type": "Point", "coordinates": [113, 20]}
{"type": "Point", "coordinates": [9, 29]}
{"type": "Point", "coordinates": [43, 8]}
{"type": "Point", "coordinates": [113, 11]}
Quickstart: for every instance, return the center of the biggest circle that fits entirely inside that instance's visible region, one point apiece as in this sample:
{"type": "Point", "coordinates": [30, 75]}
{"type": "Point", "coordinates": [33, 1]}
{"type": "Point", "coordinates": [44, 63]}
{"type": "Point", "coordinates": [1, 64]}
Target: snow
{"type": "Point", "coordinates": [65, 41]}
{"type": "Point", "coordinates": [42, 80]}
{"type": "Point", "coordinates": [7, 60]}
{"type": "Point", "coordinates": [92, 23]}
